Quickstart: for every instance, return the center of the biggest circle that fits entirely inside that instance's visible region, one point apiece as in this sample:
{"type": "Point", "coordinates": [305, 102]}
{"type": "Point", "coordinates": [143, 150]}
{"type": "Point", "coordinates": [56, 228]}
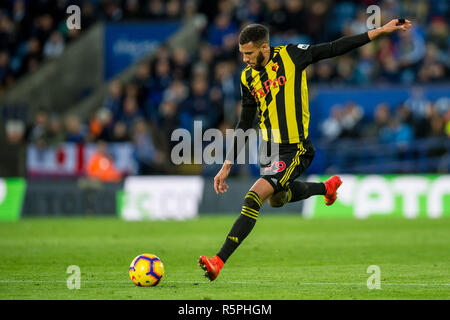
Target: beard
{"type": "Point", "coordinates": [259, 61]}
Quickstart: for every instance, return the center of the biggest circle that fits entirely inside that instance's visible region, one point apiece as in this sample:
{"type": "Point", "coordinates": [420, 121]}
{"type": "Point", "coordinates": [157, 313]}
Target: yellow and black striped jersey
{"type": "Point", "coordinates": [279, 91]}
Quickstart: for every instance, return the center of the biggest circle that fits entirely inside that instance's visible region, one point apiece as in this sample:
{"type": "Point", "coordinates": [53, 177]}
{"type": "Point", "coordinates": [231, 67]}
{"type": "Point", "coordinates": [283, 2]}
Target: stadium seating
{"type": "Point", "coordinates": [176, 85]}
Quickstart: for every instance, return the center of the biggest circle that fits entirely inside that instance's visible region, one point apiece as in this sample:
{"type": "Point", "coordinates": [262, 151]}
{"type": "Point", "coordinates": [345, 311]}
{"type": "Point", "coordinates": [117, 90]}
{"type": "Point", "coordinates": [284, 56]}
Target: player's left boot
{"type": "Point", "coordinates": [212, 266]}
{"type": "Point", "coordinates": [332, 185]}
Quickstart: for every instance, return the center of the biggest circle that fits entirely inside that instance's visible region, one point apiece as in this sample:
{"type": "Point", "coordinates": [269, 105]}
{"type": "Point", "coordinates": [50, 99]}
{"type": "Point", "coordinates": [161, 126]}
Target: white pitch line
{"type": "Point", "coordinates": [240, 282]}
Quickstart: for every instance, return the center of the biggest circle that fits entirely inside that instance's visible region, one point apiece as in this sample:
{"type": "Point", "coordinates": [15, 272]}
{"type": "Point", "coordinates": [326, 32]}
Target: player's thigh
{"type": "Point", "coordinates": [301, 166]}
{"type": "Point", "coordinates": [263, 188]}
{"type": "Point", "coordinates": [281, 167]}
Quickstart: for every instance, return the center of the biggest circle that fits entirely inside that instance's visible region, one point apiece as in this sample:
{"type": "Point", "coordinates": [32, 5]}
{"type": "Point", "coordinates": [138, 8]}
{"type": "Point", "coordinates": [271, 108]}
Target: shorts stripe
{"type": "Point", "coordinates": [291, 168]}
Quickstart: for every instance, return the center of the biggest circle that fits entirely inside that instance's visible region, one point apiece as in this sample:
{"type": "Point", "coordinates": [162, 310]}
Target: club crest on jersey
{"type": "Point", "coordinates": [275, 67]}
{"type": "Point", "coordinates": [266, 86]}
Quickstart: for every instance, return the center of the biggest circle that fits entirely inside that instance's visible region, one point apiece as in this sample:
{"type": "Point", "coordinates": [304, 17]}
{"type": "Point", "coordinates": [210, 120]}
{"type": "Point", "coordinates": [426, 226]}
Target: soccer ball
{"type": "Point", "coordinates": [146, 270]}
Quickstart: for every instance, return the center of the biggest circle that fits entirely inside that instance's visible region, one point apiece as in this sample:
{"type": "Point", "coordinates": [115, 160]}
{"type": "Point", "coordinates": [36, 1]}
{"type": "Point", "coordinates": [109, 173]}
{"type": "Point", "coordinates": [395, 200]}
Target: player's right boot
{"type": "Point", "coordinates": [332, 185]}
{"type": "Point", "coordinates": [212, 266]}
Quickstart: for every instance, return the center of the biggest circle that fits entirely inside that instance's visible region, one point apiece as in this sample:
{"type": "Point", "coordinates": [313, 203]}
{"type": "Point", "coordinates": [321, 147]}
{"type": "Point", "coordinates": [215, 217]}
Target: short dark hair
{"type": "Point", "coordinates": [256, 33]}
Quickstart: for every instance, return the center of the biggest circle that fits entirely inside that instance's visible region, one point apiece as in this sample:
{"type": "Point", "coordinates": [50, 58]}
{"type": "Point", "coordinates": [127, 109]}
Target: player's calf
{"type": "Point", "coordinates": [239, 231]}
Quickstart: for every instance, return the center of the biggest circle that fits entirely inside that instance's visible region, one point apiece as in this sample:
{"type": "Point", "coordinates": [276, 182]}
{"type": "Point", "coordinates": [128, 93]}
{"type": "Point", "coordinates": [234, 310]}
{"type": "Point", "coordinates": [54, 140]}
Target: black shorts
{"type": "Point", "coordinates": [281, 167]}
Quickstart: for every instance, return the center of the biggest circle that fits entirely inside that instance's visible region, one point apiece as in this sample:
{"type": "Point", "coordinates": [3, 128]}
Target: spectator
{"type": "Point", "coordinates": [173, 10]}
{"type": "Point", "coordinates": [296, 14]}
{"type": "Point", "coordinates": [39, 130]}
{"type": "Point", "coordinates": [177, 92]}
{"type": "Point", "coordinates": [417, 103]}
{"type": "Point", "coordinates": [100, 126]}
{"type": "Point", "coordinates": [359, 25]}
{"type": "Point", "coordinates": [144, 81]}
{"type": "Point", "coordinates": [6, 73]}
{"type": "Point", "coordinates": [74, 129]}
{"type": "Point", "coordinates": [155, 10]}
{"type": "Point", "coordinates": [226, 89]}
{"type": "Point", "coordinates": [323, 71]}
{"type": "Point", "coordinates": [351, 120]}
{"type": "Point", "coordinates": [181, 66]}
{"type": "Point", "coordinates": [366, 65]}
{"type": "Point", "coordinates": [113, 99]}
{"type": "Point", "coordinates": [250, 11]}
{"type": "Point", "coordinates": [131, 112]}
{"type": "Point", "coordinates": [44, 27]}
{"type": "Point", "coordinates": [32, 57]}
{"type": "Point", "coordinates": [15, 131]}
{"type": "Point", "coordinates": [331, 128]}
{"type": "Point", "coordinates": [438, 33]}
{"type": "Point", "coordinates": [148, 157]}
{"type": "Point", "coordinates": [169, 121]}
{"type": "Point", "coordinates": [223, 26]}
{"type": "Point", "coordinates": [100, 165]}
{"type": "Point", "coordinates": [431, 69]}
{"type": "Point", "coordinates": [382, 115]}
{"type": "Point", "coordinates": [88, 14]}
{"type": "Point", "coordinates": [162, 80]}
{"type": "Point", "coordinates": [396, 132]}
{"type": "Point", "coordinates": [317, 19]}
{"type": "Point", "coordinates": [275, 15]}
{"type": "Point", "coordinates": [131, 9]}
{"type": "Point", "coordinates": [55, 131]}
{"type": "Point", "coordinates": [197, 106]}
{"type": "Point", "coordinates": [54, 46]}
{"type": "Point", "coordinates": [345, 70]}
{"type": "Point", "coordinates": [120, 133]}
{"type": "Point", "coordinates": [411, 50]}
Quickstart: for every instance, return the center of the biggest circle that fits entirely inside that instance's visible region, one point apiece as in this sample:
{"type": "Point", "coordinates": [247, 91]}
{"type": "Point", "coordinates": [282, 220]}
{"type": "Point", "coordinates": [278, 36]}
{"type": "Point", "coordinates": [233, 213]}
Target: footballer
{"type": "Point", "coordinates": [274, 88]}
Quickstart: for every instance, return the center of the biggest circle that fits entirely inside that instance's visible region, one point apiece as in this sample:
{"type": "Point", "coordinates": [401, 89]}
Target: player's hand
{"type": "Point", "coordinates": [395, 25]}
{"type": "Point", "coordinates": [219, 179]}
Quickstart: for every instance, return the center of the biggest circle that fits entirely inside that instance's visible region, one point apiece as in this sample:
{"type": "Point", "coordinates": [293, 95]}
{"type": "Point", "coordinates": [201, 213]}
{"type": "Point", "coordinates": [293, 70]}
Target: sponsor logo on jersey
{"type": "Point", "coordinates": [267, 86]}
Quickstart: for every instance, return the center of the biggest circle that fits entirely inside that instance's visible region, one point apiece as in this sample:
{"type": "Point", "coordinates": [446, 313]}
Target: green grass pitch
{"type": "Point", "coordinates": [285, 257]}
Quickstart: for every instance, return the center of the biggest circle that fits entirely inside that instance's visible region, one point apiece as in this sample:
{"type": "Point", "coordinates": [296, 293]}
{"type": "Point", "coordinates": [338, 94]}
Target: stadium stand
{"type": "Point", "coordinates": [177, 86]}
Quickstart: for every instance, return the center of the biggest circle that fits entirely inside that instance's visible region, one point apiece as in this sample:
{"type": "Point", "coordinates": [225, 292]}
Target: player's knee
{"type": "Point", "coordinates": [278, 200]}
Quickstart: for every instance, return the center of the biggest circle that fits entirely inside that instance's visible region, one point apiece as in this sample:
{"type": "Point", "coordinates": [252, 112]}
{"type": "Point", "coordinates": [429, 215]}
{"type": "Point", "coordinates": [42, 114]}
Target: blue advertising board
{"type": "Point", "coordinates": [124, 44]}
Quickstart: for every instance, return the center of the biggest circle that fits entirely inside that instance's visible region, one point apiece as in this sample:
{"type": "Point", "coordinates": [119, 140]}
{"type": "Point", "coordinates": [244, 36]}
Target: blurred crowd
{"type": "Point", "coordinates": [416, 118]}
{"type": "Point", "coordinates": [177, 87]}
{"type": "Point", "coordinates": [33, 31]}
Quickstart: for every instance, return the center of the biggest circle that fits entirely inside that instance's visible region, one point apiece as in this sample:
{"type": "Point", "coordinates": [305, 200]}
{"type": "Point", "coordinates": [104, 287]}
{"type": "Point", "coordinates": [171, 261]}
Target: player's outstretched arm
{"type": "Point", "coordinates": [345, 44]}
{"type": "Point", "coordinates": [388, 28]}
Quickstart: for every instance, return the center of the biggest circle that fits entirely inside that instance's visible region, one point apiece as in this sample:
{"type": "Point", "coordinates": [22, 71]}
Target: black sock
{"type": "Point", "coordinates": [300, 190]}
{"type": "Point", "coordinates": [242, 226]}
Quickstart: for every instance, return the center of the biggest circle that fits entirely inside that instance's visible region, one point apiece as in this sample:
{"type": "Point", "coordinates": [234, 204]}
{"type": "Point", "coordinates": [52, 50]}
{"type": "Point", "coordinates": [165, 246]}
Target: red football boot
{"type": "Point", "coordinates": [332, 185]}
{"type": "Point", "coordinates": [212, 266]}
